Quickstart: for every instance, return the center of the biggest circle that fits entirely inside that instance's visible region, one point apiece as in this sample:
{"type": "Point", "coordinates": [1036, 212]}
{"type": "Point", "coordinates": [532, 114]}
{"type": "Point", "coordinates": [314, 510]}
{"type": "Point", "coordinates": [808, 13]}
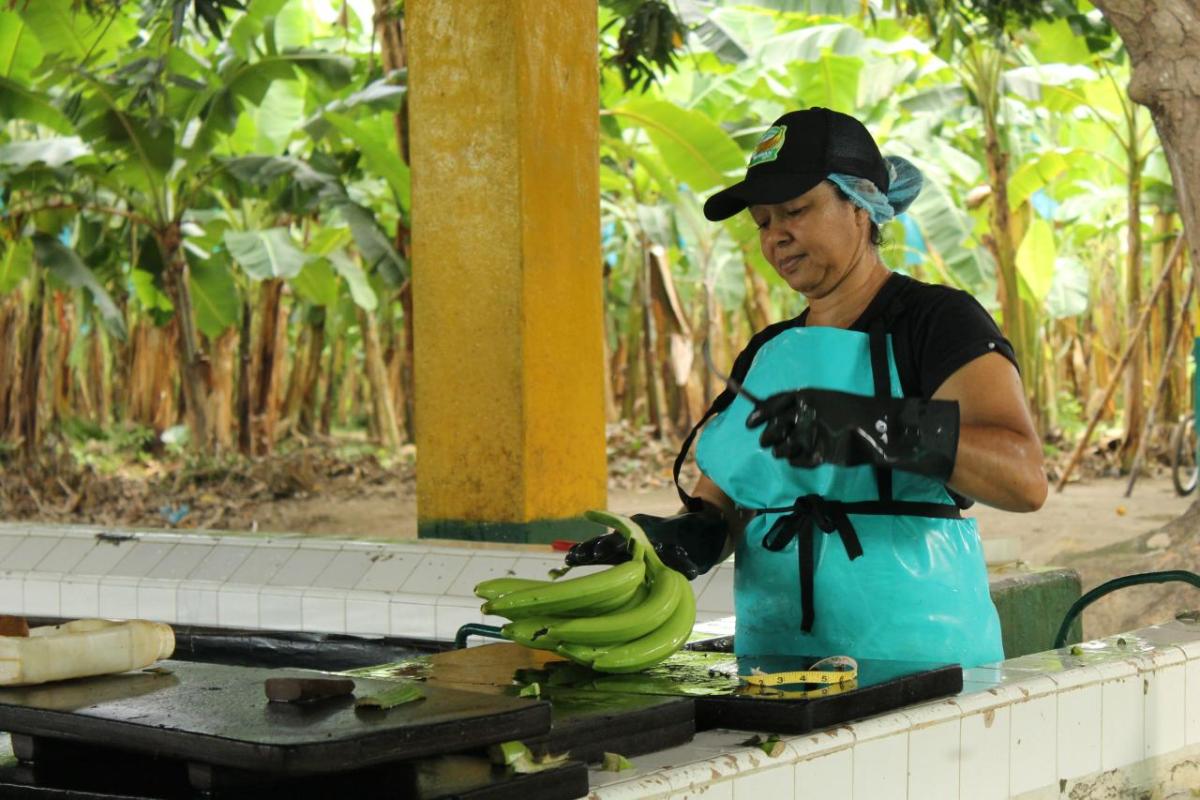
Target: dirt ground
{"type": "Point", "coordinates": [1091, 526]}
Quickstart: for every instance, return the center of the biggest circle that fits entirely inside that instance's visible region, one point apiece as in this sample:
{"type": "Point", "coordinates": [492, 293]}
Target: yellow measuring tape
{"type": "Point", "coordinates": [834, 675]}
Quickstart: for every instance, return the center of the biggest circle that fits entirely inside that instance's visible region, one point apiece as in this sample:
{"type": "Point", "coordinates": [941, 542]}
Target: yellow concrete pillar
{"type": "Point", "coordinates": [503, 102]}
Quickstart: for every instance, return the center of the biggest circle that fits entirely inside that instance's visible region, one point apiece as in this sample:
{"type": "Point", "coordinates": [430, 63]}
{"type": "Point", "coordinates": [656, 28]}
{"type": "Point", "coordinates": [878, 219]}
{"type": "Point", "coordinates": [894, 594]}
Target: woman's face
{"type": "Point", "coordinates": [812, 240]}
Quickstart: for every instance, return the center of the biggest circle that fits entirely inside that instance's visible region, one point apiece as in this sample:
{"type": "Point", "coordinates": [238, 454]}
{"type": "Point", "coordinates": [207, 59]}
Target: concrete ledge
{"type": "Point", "coordinates": [1032, 603]}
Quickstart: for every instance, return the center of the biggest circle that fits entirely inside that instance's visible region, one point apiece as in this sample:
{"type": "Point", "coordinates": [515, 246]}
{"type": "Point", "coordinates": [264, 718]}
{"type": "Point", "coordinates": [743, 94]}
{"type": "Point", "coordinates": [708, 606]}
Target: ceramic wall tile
{"type": "Point", "coordinates": [118, 598]}
{"type": "Point", "coordinates": [413, 616]}
{"type": "Point", "coordinates": [181, 562]}
{"type": "Point", "coordinates": [452, 612]}
{"type": "Point", "coordinates": [435, 574]}
{"type": "Point", "coordinates": [1165, 710]}
{"type": "Point", "coordinates": [302, 569]}
{"type": "Point", "coordinates": [774, 782]}
{"type": "Point", "coordinates": [934, 735]}
{"type": "Point", "coordinates": [157, 600]}
{"type": "Point", "coordinates": [367, 613]}
{"type": "Point", "coordinates": [1123, 720]}
{"type": "Point", "coordinates": [829, 775]}
{"type": "Point", "coordinates": [64, 556]}
{"type": "Point", "coordinates": [28, 552]}
{"type": "Point", "coordinates": [8, 543]}
{"type": "Point", "coordinates": [881, 768]}
{"type": "Point", "coordinates": [722, 790]}
{"type": "Point", "coordinates": [536, 566]}
{"type": "Point", "coordinates": [481, 568]}
{"type": "Point", "coordinates": [345, 570]}
{"type": "Point", "coordinates": [142, 557]}
{"type": "Point", "coordinates": [985, 751]}
{"type": "Point", "coordinates": [1079, 730]}
{"type": "Point", "coordinates": [102, 558]}
{"type": "Point", "coordinates": [237, 607]}
{"type": "Point", "coordinates": [263, 562]}
{"type": "Point", "coordinates": [933, 760]}
{"type": "Point", "coordinates": [281, 609]}
{"type": "Point", "coordinates": [220, 563]}
{"type": "Point", "coordinates": [40, 596]}
{"type": "Point", "coordinates": [1191, 673]}
{"type": "Point", "coordinates": [1034, 738]}
{"type": "Point", "coordinates": [323, 612]}
{"type": "Point", "coordinates": [196, 604]}
{"type": "Point", "coordinates": [79, 597]}
{"type": "Point", "coordinates": [388, 572]}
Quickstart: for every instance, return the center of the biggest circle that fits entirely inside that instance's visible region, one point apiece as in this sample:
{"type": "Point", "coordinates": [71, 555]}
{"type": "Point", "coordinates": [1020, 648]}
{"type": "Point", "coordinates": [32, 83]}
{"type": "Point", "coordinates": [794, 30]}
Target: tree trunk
{"type": "Point", "coordinates": [336, 365]}
{"type": "Point", "coordinates": [264, 405]}
{"type": "Point", "coordinates": [99, 385]}
{"type": "Point", "coordinates": [308, 422]}
{"type": "Point", "coordinates": [383, 408]}
{"type": "Point", "coordinates": [245, 382]}
{"type": "Point", "coordinates": [406, 365]}
{"type": "Point", "coordinates": [32, 372]}
{"type": "Point", "coordinates": [220, 392]}
{"type": "Point", "coordinates": [194, 375]}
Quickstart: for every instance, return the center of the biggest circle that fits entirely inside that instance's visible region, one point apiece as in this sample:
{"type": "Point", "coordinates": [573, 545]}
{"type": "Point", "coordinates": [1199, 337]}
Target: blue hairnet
{"type": "Point", "coordinates": [905, 184]}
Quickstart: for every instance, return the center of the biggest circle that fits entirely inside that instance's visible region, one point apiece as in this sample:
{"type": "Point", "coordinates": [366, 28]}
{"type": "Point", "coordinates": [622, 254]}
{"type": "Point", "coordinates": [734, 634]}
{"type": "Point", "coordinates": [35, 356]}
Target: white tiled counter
{"type": "Point", "coordinates": [1120, 719]}
{"type": "Point", "coordinates": [281, 582]}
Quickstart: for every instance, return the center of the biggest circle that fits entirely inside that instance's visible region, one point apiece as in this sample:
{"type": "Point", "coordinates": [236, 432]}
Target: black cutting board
{"type": "Point", "coordinates": [881, 686]}
{"type": "Point", "coordinates": [219, 715]}
{"type": "Point", "coordinates": [584, 723]}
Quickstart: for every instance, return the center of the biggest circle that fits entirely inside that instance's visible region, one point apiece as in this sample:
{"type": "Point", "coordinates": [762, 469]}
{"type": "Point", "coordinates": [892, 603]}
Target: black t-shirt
{"type": "Point", "coordinates": [935, 331]}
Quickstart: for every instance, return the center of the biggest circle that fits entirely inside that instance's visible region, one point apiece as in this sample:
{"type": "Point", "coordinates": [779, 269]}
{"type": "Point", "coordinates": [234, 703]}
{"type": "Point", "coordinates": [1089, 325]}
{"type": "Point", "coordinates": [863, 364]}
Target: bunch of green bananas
{"type": "Point", "coordinates": [623, 619]}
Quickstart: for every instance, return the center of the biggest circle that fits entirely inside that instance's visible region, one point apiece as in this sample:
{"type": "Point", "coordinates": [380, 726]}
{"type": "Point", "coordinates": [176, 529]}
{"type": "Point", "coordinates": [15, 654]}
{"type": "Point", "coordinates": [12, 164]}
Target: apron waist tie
{"type": "Point", "coordinates": [810, 512]}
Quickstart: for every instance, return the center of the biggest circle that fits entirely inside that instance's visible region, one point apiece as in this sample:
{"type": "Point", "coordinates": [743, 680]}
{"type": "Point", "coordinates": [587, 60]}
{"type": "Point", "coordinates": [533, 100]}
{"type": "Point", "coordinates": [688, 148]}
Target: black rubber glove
{"type": "Point", "coordinates": [809, 427]}
{"type": "Point", "coordinates": [689, 543]}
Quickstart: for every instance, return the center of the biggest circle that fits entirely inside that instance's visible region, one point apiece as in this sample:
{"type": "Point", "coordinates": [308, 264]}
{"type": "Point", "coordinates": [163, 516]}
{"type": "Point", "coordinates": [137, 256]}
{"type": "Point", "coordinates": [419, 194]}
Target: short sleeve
{"type": "Point", "coordinates": [953, 331]}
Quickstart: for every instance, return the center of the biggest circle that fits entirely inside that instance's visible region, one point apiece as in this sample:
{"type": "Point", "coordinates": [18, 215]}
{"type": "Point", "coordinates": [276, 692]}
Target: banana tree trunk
{"type": "Point", "coordinates": [312, 377]}
{"type": "Point", "coordinates": [384, 410]}
{"type": "Point", "coordinates": [32, 371]}
{"type": "Point", "coordinates": [195, 363]}
{"type": "Point", "coordinates": [245, 382]}
{"type": "Point", "coordinates": [336, 365]}
{"type": "Point", "coordinates": [12, 325]}
{"type": "Point", "coordinates": [221, 400]}
{"type": "Point", "coordinates": [264, 403]}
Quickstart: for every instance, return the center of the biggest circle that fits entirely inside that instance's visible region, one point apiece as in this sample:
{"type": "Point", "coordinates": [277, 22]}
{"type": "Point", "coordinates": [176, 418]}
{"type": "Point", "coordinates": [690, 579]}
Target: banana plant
{"type": "Point", "coordinates": [162, 123]}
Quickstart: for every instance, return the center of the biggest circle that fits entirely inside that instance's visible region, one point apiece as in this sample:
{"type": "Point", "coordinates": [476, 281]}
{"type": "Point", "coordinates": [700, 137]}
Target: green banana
{"type": "Point", "coordinates": [652, 648]}
{"type": "Point", "coordinates": [612, 605]}
{"type": "Point", "coordinates": [562, 597]}
{"type": "Point", "coordinates": [531, 632]}
{"type": "Point", "coordinates": [613, 628]}
{"type": "Point", "coordinates": [497, 587]}
{"type": "Point", "coordinates": [579, 653]}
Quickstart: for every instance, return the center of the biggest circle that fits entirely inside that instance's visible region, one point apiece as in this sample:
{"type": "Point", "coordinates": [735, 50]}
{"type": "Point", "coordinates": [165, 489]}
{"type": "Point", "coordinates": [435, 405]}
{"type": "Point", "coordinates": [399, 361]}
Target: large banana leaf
{"type": "Point", "coordinates": [65, 29]}
{"type": "Point", "coordinates": [695, 149]}
{"type": "Point", "coordinates": [63, 263]}
{"type": "Point", "coordinates": [1068, 295]}
{"type": "Point", "coordinates": [51, 152]}
{"type": "Point", "coordinates": [267, 127]}
{"type": "Point", "coordinates": [378, 148]}
{"type": "Point", "coordinates": [1035, 259]}
{"type": "Point", "coordinates": [20, 50]}
{"type": "Point", "coordinates": [356, 280]}
{"type": "Point", "coordinates": [15, 261]}
{"type": "Point", "coordinates": [18, 101]}
{"type": "Point", "coordinates": [266, 254]}
{"type": "Point", "coordinates": [317, 283]}
{"type": "Point", "coordinates": [215, 296]}
{"type": "Point", "coordinates": [382, 95]}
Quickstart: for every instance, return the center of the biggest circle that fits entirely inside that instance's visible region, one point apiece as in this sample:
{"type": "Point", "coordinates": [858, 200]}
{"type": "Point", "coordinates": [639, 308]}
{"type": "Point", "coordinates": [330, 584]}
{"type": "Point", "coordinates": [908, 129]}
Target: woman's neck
{"type": "Point", "coordinates": [850, 298]}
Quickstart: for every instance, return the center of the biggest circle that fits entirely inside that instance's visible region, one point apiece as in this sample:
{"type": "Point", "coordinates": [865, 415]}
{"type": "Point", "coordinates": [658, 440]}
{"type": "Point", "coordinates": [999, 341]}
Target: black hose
{"type": "Point", "coordinates": [1079, 605]}
{"type": "Point", "coordinates": [476, 628]}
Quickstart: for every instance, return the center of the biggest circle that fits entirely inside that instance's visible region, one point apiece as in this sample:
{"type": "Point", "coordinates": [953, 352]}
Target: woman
{"type": "Point", "coordinates": [888, 405]}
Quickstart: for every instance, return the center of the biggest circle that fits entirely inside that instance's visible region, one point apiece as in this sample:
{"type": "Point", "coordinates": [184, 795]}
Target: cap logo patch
{"type": "Point", "coordinates": [769, 145]}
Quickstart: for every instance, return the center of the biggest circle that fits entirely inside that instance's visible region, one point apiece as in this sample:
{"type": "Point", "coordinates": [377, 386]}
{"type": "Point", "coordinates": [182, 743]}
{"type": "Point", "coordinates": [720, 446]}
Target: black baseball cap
{"type": "Point", "coordinates": [797, 152]}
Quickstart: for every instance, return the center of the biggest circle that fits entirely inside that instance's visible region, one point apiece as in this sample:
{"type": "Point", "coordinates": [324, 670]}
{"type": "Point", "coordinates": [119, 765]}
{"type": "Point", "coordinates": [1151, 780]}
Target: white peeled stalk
{"type": "Point", "coordinates": [82, 648]}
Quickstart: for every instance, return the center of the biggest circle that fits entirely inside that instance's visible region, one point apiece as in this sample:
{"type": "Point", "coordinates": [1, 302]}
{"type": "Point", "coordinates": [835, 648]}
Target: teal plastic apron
{"type": "Point", "coordinates": [858, 561]}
